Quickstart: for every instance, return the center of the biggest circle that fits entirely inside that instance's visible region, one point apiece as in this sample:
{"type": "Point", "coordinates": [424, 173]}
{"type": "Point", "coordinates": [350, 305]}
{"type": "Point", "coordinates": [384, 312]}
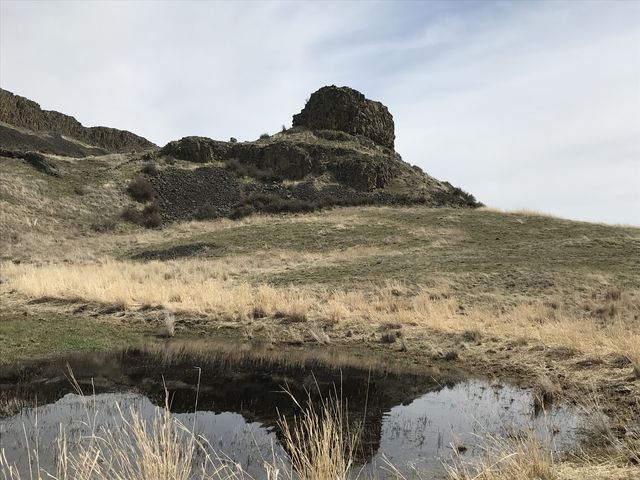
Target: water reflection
{"type": "Point", "coordinates": [410, 418]}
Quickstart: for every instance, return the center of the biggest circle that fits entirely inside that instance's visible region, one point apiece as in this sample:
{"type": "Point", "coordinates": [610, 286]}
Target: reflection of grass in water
{"type": "Point", "coordinates": [163, 448]}
{"type": "Point", "coordinates": [319, 445]}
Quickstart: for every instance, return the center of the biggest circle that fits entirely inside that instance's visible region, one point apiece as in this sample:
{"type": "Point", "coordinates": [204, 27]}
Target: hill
{"type": "Point", "coordinates": [24, 125]}
{"type": "Point", "coordinates": [410, 277]}
{"type": "Point", "coordinates": [302, 169]}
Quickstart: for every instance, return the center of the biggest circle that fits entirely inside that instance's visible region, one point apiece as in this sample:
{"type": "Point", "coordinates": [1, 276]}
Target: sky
{"type": "Point", "coordinates": [527, 104]}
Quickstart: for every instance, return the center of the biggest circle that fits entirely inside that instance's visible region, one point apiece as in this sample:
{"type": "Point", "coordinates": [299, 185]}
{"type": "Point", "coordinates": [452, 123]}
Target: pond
{"type": "Point", "coordinates": [232, 395]}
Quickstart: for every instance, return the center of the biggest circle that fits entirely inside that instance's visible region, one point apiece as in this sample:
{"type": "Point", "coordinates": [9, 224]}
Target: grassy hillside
{"type": "Point", "coordinates": [551, 303]}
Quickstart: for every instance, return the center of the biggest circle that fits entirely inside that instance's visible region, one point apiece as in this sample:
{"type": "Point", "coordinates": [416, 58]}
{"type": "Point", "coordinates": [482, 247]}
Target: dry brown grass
{"type": "Point", "coordinates": [318, 441]}
{"type": "Point", "coordinates": [525, 457]}
{"type": "Point", "coordinates": [220, 289]}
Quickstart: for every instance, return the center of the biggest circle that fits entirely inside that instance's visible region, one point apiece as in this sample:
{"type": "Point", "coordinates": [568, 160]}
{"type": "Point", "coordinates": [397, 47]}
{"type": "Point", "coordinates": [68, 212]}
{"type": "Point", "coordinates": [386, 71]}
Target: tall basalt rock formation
{"type": "Point", "coordinates": [24, 113]}
{"type": "Point", "coordinates": [347, 110]}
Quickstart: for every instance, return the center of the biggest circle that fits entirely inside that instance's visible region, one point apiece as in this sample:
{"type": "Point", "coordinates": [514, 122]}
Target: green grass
{"type": "Point", "coordinates": [480, 252]}
{"type": "Point", "coordinates": [284, 234]}
{"type": "Point", "coordinates": [456, 241]}
{"type": "Point", "coordinates": [29, 336]}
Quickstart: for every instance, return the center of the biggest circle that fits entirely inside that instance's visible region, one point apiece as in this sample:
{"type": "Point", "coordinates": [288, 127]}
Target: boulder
{"type": "Point", "coordinates": [347, 110]}
{"type": "Point", "coordinates": [196, 149]}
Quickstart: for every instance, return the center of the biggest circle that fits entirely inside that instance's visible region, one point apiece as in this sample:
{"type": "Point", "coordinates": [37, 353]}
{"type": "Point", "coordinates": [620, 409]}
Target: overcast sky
{"type": "Point", "coordinates": [530, 105]}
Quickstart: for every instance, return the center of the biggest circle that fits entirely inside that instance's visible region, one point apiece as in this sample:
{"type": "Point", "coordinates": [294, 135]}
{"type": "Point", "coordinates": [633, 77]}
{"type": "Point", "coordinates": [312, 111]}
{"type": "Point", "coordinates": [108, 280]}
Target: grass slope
{"type": "Point", "coordinates": [550, 302]}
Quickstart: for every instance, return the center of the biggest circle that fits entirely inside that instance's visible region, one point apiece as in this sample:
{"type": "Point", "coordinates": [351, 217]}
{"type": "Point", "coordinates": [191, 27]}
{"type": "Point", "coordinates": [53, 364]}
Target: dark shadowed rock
{"type": "Point", "coordinates": [196, 149]}
{"type": "Point", "coordinates": [35, 159]}
{"type": "Point", "coordinates": [24, 113]}
{"type": "Point", "coordinates": [347, 110]}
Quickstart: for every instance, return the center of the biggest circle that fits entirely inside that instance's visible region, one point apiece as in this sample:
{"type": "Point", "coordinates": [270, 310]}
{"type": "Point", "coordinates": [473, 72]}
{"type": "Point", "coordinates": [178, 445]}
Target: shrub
{"type": "Point", "coordinates": [264, 136]}
{"type": "Point", "coordinates": [246, 170]}
{"type": "Point", "coordinates": [105, 226]}
{"type": "Point", "coordinates": [206, 212]}
{"type": "Point", "coordinates": [150, 169]}
{"type": "Point", "coordinates": [141, 190]}
{"type": "Point", "coordinates": [233, 140]}
{"type": "Point", "coordinates": [333, 135]}
{"type": "Point", "coordinates": [455, 197]}
{"type": "Point", "coordinates": [388, 337]}
{"type": "Point", "coordinates": [131, 214]}
{"type": "Point", "coordinates": [241, 211]}
{"type": "Point", "coordinates": [275, 204]}
{"type": "Point", "coordinates": [151, 216]}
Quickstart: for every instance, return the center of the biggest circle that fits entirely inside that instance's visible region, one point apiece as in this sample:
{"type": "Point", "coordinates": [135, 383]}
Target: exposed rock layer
{"type": "Point", "coordinates": [347, 110]}
{"type": "Point", "coordinates": [24, 113]}
{"type": "Point", "coordinates": [356, 165]}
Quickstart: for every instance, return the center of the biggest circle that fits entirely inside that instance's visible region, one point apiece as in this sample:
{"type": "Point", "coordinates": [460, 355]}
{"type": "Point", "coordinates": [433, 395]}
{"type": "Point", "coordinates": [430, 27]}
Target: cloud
{"type": "Point", "coordinates": [525, 104]}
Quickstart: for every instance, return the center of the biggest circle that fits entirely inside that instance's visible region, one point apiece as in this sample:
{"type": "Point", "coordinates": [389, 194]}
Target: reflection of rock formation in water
{"type": "Point", "coordinates": [250, 386]}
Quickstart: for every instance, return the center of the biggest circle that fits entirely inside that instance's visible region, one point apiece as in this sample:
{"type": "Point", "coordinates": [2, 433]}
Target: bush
{"type": "Point", "coordinates": [131, 214]}
{"type": "Point", "coordinates": [233, 140]}
{"type": "Point", "coordinates": [275, 204]}
{"type": "Point", "coordinates": [247, 170]}
{"type": "Point", "coordinates": [150, 169]}
{"type": "Point", "coordinates": [141, 190]}
{"type": "Point", "coordinates": [149, 217]}
{"type": "Point", "coordinates": [206, 212]}
{"type": "Point", "coordinates": [333, 135]}
{"type": "Point", "coordinates": [105, 226]}
{"type": "Point", "coordinates": [264, 136]}
{"type": "Point", "coordinates": [241, 211]}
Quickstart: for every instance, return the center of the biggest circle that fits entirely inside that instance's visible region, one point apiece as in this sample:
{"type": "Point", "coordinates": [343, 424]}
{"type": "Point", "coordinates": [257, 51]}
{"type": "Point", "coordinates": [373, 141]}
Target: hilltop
{"type": "Point", "coordinates": [339, 152]}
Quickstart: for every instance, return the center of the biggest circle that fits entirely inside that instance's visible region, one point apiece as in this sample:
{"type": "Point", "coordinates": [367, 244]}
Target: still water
{"type": "Point", "coordinates": [232, 398]}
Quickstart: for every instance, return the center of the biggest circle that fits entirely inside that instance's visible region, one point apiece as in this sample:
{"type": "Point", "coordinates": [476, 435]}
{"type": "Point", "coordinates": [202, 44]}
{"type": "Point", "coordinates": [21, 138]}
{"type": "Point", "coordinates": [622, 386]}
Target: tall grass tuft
{"type": "Point", "coordinates": [520, 457]}
{"type": "Point", "coordinates": [319, 441]}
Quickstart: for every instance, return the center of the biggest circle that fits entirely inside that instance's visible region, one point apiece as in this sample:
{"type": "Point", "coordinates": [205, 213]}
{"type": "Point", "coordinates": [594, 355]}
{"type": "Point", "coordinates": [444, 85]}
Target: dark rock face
{"type": "Point", "coordinates": [24, 113]}
{"type": "Point", "coordinates": [181, 193]}
{"type": "Point", "coordinates": [14, 139]}
{"type": "Point", "coordinates": [294, 160]}
{"type": "Point", "coordinates": [35, 159]}
{"type": "Point", "coordinates": [347, 110]}
{"type": "Point", "coordinates": [196, 149]}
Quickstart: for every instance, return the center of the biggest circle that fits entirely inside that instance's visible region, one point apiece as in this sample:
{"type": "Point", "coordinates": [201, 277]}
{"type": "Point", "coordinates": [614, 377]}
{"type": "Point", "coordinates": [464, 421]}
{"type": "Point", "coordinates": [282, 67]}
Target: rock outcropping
{"type": "Point", "coordinates": [339, 152]}
{"type": "Point", "coordinates": [24, 113]}
{"type": "Point", "coordinates": [347, 110]}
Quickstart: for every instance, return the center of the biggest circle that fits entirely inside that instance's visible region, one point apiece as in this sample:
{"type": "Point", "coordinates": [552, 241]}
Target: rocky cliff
{"type": "Point", "coordinates": [26, 114]}
{"type": "Point", "coordinates": [339, 152]}
{"type": "Point", "coordinates": [347, 110]}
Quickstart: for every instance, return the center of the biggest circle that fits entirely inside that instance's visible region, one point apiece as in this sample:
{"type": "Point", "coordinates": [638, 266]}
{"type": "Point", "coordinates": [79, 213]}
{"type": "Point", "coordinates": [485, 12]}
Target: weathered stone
{"type": "Point", "coordinates": [197, 149]}
{"type": "Point", "coordinates": [282, 158]}
{"type": "Point", "coordinates": [24, 113]}
{"type": "Point", "coordinates": [347, 110]}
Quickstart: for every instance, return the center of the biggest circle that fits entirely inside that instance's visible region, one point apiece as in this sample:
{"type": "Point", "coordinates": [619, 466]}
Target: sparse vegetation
{"type": "Point", "coordinates": [149, 169]}
{"type": "Point", "coordinates": [141, 190]}
{"type": "Point", "coordinates": [148, 217]}
{"type": "Point", "coordinates": [519, 294]}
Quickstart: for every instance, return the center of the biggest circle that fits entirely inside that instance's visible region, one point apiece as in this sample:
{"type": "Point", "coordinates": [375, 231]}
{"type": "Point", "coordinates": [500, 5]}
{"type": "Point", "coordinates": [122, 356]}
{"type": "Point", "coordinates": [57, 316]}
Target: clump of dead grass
{"type": "Point", "coordinates": [520, 457]}
{"type": "Point", "coordinates": [319, 441]}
